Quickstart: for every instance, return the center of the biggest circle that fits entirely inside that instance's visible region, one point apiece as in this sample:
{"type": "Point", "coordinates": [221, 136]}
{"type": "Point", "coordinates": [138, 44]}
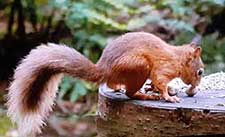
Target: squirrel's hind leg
{"type": "Point", "coordinates": [116, 87]}
{"type": "Point", "coordinates": [133, 86]}
{"type": "Point", "coordinates": [132, 72]}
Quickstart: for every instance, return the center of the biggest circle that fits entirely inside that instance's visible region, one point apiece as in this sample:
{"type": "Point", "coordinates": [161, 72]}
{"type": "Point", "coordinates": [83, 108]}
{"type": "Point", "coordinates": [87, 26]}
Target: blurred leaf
{"type": "Point", "coordinates": [98, 39]}
{"type": "Point", "coordinates": [78, 91]}
{"type": "Point", "coordinates": [183, 37]}
{"type": "Point", "coordinates": [80, 88]}
{"type": "Point", "coordinates": [135, 24]}
{"type": "Point", "coordinates": [5, 124]}
{"type": "Point", "coordinates": [178, 25]}
{"type": "Point", "coordinates": [65, 86]}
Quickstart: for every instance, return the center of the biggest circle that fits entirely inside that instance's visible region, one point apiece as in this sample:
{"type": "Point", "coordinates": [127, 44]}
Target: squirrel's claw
{"type": "Point", "coordinates": [173, 99]}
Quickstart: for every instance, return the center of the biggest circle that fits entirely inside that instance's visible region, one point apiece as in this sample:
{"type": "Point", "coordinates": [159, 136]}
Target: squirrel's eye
{"type": "Point", "coordinates": [200, 72]}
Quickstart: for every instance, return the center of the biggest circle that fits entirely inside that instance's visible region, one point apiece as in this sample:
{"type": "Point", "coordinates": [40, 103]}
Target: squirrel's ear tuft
{"type": "Point", "coordinates": [197, 52]}
{"type": "Point", "coordinates": [196, 41]}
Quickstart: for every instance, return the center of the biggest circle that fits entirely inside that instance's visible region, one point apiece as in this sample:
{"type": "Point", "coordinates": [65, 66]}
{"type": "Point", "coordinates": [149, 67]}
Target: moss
{"type": "Point", "coordinates": [5, 124]}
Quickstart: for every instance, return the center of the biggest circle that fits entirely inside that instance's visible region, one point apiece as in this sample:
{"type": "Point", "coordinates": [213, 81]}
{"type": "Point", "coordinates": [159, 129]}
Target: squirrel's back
{"type": "Point", "coordinates": [129, 44]}
{"type": "Point", "coordinates": [126, 60]}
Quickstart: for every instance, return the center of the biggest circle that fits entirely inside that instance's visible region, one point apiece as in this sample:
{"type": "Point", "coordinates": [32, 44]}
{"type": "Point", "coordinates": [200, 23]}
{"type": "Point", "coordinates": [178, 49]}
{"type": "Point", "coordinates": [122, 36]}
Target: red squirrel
{"type": "Point", "coordinates": [127, 61]}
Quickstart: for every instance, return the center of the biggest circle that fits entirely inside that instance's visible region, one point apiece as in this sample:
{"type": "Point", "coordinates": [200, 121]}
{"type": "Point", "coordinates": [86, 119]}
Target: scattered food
{"type": "Point", "coordinates": [215, 81]}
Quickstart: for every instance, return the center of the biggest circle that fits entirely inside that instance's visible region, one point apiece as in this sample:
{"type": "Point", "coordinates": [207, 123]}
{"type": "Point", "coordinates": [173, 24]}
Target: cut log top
{"type": "Point", "coordinates": [212, 100]}
{"type": "Point", "coordinates": [203, 114]}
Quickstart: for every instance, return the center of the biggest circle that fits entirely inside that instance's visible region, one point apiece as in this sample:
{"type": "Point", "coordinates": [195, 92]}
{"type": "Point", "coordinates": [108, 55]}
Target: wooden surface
{"type": "Point", "coordinates": [203, 114]}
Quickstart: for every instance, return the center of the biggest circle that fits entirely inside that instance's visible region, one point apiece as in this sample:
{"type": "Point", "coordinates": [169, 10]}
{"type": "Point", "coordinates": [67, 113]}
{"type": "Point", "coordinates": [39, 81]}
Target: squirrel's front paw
{"type": "Point", "coordinates": [191, 92]}
{"type": "Point", "coordinates": [172, 99]}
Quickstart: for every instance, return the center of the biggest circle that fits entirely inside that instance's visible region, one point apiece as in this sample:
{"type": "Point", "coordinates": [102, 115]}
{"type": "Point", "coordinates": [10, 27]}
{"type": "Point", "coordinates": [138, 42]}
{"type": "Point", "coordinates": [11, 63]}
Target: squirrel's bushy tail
{"type": "Point", "coordinates": [33, 89]}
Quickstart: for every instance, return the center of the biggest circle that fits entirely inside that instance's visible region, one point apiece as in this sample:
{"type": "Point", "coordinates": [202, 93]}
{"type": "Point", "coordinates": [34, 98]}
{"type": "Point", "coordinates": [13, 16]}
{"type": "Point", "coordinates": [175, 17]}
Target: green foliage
{"type": "Point", "coordinates": [74, 89]}
{"type": "Point", "coordinates": [183, 15]}
{"type": "Point", "coordinates": [213, 50]}
{"type": "Point", "coordinates": [92, 22]}
{"type": "Point", "coordinates": [5, 123]}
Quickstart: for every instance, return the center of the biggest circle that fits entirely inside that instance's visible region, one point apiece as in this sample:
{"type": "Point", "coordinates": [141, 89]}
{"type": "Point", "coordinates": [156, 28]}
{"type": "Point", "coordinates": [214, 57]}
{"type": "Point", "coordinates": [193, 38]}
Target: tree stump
{"type": "Point", "coordinates": [201, 115]}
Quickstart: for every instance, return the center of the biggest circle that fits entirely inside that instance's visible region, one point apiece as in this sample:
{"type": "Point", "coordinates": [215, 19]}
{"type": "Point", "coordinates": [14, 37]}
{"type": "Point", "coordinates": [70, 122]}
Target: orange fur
{"type": "Point", "coordinates": [128, 62]}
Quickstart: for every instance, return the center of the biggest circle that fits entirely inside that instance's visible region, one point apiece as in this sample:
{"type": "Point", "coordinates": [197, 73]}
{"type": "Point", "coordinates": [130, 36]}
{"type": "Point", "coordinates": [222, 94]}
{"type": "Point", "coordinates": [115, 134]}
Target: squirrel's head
{"type": "Point", "coordinates": [193, 68]}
